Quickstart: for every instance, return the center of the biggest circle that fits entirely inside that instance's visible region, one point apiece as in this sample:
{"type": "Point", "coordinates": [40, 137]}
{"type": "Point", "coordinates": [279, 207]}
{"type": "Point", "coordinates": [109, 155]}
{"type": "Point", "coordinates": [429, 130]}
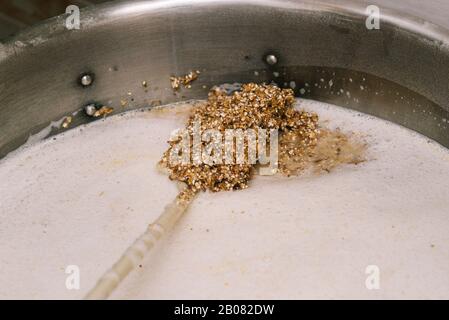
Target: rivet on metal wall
{"type": "Point", "coordinates": [271, 59]}
{"type": "Point", "coordinates": [86, 79]}
{"type": "Point", "coordinates": [90, 109]}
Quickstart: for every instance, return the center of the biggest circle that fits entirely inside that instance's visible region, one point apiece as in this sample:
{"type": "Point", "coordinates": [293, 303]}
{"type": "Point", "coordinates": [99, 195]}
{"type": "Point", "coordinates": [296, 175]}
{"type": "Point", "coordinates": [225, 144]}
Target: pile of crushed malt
{"type": "Point", "coordinates": [301, 142]}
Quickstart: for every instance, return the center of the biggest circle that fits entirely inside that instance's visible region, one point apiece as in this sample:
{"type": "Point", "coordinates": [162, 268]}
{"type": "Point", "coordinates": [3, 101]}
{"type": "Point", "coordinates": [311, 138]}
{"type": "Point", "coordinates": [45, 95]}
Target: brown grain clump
{"type": "Point", "coordinates": [103, 111]}
{"type": "Point", "coordinates": [255, 106]}
{"type": "Point", "coordinates": [185, 80]}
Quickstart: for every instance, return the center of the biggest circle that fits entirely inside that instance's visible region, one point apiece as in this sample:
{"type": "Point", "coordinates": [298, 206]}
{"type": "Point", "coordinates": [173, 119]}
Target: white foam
{"type": "Point", "coordinates": [83, 198]}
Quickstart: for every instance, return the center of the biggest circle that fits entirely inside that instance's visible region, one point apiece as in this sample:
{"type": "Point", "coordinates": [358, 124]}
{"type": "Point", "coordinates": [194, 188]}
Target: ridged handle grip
{"type": "Point", "coordinates": [135, 253]}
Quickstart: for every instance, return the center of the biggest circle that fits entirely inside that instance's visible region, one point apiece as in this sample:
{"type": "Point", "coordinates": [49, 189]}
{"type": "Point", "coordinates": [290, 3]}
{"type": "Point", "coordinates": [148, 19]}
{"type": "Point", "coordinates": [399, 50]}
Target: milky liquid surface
{"type": "Point", "coordinates": [81, 199]}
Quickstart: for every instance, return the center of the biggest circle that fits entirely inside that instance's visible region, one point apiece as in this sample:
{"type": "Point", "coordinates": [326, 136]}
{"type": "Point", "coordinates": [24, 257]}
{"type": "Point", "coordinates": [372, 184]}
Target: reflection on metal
{"type": "Point", "coordinates": [398, 72]}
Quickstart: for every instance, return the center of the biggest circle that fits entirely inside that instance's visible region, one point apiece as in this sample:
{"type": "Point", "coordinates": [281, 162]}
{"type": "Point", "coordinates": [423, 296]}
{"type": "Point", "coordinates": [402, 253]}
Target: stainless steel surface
{"type": "Point", "coordinates": [403, 67]}
{"type": "Point", "coordinates": [16, 15]}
